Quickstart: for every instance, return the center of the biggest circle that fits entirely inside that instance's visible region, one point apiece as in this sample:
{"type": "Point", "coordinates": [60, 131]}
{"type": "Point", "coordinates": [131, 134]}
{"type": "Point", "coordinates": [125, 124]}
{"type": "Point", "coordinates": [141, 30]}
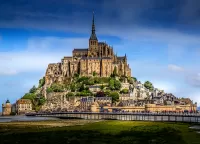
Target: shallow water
{"type": "Point", "coordinates": [195, 127]}
{"type": "Point", "coordinates": [23, 118]}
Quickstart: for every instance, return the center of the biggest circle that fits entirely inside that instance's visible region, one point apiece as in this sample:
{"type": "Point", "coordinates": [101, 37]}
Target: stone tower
{"type": "Point", "coordinates": [6, 108]}
{"type": "Point", "coordinates": [93, 41]}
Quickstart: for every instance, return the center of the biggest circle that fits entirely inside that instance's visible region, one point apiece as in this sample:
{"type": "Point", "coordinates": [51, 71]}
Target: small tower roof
{"type": "Point", "coordinates": [7, 101]}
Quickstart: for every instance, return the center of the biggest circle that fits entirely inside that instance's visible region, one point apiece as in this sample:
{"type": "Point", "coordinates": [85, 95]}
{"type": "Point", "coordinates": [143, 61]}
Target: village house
{"type": "Point", "coordinates": [23, 106]}
{"type": "Point", "coordinates": [86, 102]}
{"type": "Point", "coordinates": [94, 88]}
{"type": "Point", "coordinates": [103, 100]}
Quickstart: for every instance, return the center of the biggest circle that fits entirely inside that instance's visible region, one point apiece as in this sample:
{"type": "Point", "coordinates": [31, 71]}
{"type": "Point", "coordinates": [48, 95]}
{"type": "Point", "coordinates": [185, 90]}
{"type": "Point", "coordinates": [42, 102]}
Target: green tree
{"type": "Point", "coordinates": [82, 87]}
{"type": "Point", "coordinates": [49, 90]}
{"type": "Point", "coordinates": [96, 80]}
{"type": "Point", "coordinates": [30, 96]}
{"type": "Point", "coordinates": [148, 85]}
{"type": "Point", "coordinates": [124, 91]}
{"type": "Point", "coordinates": [73, 87]}
{"type": "Point", "coordinates": [115, 72]}
{"type": "Point", "coordinates": [37, 100]}
{"type": "Point", "coordinates": [90, 82]}
{"type": "Point", "coordinates": [82, 79]}
{"type": "Point", "coordinates": [70, 94]}
{"type": "Point", "coordinates": [134, 78]}
{"type": "Point", "coordinates": [130, 80]}
{"type": "Point", "coordinates": [33, 89]}
{"type": "Point", "coordinates": [76, 75]}
{"type": "Point", "coordinates": [117, 84]}
{"type": "Point", "coordinates": [57, 87]}
{"type": "Point", "coordinates": [102, 87]}
{"type": "Point", "coordinates": [115, 96]}
{"type": "Point", "coordinates": [112, 84]}
{"type": "Point", "coordinates": [41, 82]}
{"type": "Point", "coordinates": [42, 100]}
{"type": "Point", "coordinates": [94, 73]}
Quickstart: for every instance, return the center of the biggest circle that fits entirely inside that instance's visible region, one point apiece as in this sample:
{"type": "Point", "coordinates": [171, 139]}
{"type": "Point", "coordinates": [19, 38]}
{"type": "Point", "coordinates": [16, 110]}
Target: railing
{"type": "Point", "coordinates": [123, 116]}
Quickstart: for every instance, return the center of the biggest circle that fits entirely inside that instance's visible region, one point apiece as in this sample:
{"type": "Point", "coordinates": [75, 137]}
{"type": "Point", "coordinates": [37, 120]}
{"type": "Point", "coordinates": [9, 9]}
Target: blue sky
{"type": "Point", "coordinates": [160, 37]}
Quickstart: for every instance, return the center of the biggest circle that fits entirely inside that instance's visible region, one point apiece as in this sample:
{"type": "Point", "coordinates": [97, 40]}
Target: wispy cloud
{"type": "Point", "coordinates": [175, 68]}
{"type": "Point", "coordinates": [194, 80]}
{"type": "Point", "coordinates": [38, 54]}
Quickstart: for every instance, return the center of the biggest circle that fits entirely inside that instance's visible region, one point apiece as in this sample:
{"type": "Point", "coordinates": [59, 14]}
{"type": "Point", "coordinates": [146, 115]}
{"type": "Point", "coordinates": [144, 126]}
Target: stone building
{"type": "Point", "coordinates": [103, 100]}
{"type": "Point", "coordinates": [23, 106]}
{"type": "Point", "coordinates": [94, 88]}
{"type": "Point", "coordinates": [86, 102]}
{"type": "Point", "coordinates": [6, 108]}
{"type": "Point", "coordinates": [98, 58]}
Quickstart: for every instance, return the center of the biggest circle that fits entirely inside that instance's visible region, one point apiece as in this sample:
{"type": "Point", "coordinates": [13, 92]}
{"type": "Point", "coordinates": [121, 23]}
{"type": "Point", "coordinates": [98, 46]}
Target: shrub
{"type": "Point", "coordinates": [33, 89]}
{"type": "Point", "coordinates": [41, 82]}
{"type": "Point", "coordinates": [124, 91]}
{"type": "Point", "coordinates": [115, 96]}
{"type": "Point", "coordinates": [70, 94]}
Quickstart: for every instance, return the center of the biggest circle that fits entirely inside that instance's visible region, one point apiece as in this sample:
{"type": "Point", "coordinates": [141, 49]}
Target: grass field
{"type": "Point", "coordinates": [112, 132]}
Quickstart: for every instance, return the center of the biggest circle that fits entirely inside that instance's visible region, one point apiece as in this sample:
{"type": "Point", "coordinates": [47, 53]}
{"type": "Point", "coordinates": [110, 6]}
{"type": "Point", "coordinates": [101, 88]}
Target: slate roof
{"type": "Point", "coordinates": [101, 43]}
{"type": "Point", "coordinates": [67, 57]}
{"type": "Point", "coordinates": [120, 58]}
{"type": "Point", "coordinates": [79, 49]}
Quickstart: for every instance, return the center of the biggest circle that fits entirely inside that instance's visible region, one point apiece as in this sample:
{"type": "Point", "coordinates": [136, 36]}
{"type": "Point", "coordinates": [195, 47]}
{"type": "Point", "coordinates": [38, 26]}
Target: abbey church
{"type": "Point", "coordinates": [99, 58]}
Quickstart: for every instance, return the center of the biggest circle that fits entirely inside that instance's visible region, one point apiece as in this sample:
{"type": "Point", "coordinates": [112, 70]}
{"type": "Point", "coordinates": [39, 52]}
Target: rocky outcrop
{"type": "Point", "coordinates": [59, 102]}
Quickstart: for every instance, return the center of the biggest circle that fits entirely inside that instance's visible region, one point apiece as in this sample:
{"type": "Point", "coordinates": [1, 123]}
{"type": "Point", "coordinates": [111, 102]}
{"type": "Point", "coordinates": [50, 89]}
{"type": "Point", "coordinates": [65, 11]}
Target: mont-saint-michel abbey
{"type": "Point", "coordinates": [99, 57]}
{"type": "Point", "coordinates": [95, 79]}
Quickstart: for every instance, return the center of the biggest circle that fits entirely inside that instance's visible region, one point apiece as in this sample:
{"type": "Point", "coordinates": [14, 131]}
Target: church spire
{"type": "Point", "coordinates": [93, 34]}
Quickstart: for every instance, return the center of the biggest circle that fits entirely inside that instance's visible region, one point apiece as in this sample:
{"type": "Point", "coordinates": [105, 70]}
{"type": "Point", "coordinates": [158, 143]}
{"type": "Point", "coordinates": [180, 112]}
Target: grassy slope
{"type": "Point", "coordinates": [103, 132]}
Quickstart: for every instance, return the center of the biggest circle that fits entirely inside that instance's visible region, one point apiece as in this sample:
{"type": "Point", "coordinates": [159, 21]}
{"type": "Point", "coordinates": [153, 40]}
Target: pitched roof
{"type": "Point", "coordinates": [7, 101]}
{"type": "Point", "coordinates": [121, 58]}
{"type": "Point", "coordinates": [79, 49]}
{"type": "Point", "coordinates": [67, 57]}
{"type": "Point", "coordinates": [101, 43]}
{"type": "Point", "coordinates": [106, 58]}
{"type": "Point", "coordinates": [24, 101]}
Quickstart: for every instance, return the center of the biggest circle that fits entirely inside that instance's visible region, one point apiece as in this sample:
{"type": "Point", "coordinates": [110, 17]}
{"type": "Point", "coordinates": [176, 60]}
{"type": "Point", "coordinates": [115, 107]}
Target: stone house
{"type": "Point", "coordinates": [94, 88]}
{"type": "Point", "coordinates": [103, 100]}
{"type": "Point", "coordinates": [158, 100]}
{"type": "Point", "coordinates": [124, 97]}
{"type": "Point", "coordinates": [23, 106]}
{"type": "Point", "coordinates": [86, 102]}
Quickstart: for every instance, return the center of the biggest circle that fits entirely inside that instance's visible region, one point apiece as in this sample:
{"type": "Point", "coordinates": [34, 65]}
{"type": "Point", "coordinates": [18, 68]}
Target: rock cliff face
{"type": "Point", "coordinates": [58, 102]}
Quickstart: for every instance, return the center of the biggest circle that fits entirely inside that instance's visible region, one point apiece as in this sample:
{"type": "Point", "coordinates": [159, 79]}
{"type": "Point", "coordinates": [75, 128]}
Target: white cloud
{"type": "Point", "coordinates": [38, 54]}
{"type": "Point", "coordinates": [194, 79]}
{"type": "Point", "coordinates": [175, 68]}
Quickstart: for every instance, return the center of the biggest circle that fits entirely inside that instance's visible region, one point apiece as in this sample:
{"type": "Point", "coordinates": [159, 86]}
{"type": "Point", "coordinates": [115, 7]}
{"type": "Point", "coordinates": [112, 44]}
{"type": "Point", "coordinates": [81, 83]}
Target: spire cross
{"type": "Point", "coordinates": [93, 18]}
